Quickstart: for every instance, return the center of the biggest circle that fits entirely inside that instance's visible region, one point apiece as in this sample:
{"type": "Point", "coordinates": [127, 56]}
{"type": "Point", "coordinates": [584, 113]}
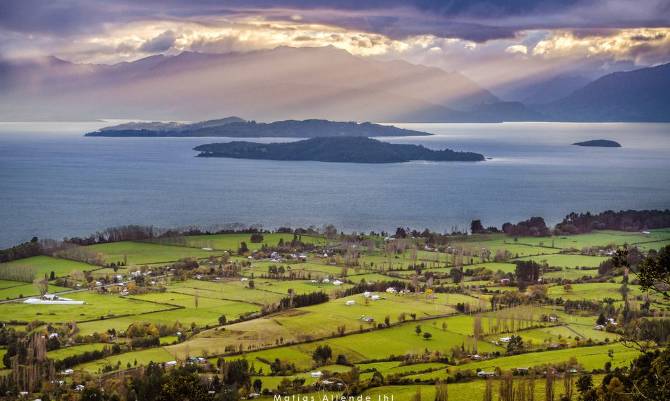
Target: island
{"type": "Point", "coordinates": [235, 127]}
{"type": "Point", "coordinates": [599, 143]}
{"type": "Point", "coordinates": [346, 149]}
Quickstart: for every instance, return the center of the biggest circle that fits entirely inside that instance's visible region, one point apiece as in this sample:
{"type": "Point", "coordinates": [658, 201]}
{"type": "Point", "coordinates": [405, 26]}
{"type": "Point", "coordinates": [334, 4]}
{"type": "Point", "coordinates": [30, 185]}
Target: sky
{"type": "Point", "coordinates": [493, 42]}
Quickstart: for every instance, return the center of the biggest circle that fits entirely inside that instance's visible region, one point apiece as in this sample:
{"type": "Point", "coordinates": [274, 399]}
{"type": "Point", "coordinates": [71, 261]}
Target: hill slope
{"type": "Point", "coordinates": [640, 95]}
{"type": "Point", "coordinates": [282, 83]}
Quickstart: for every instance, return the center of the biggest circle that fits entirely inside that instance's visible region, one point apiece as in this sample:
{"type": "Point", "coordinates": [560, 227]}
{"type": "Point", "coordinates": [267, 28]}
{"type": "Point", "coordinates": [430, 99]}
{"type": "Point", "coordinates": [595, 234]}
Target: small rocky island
{"type": "Point", "coordinates": [600, 143]}
{"type": "Point", "coordinates": [334, 149]}
{"type": "Point", "coordinates": [235, 127]}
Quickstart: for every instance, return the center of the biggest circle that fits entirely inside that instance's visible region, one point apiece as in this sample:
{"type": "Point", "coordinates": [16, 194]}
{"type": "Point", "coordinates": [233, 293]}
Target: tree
{"type": "Point", "coordinates": [653, 271]}
{"type": "Point", "coordinates": [441, 391]}
{"type": "Point", "coordinates": [584, 384]}
{"type": "Point", "coordinates": [476, 227]}
{"type": "Point", "coordinates": [322, 354]}
{"type": "Point", "coordinates": [515, 345]}
{"type": "Point", "coordinates": [222, 320]}
{"type": "Point", "coordinates": [330, 231]}
{"type": "Point", "coordinates": [427, 336]}
{"type": "Point", "coordinates": [258, 386]}
{"type": "Point", "coordinates": [417, 395]}
{"type": "Point", "coordinates": [527, 271]}
{"type": "Point", "coordinates": [256, 238]}
{"type": "Point", "coordinates": [417, 329]}
{"type": "Point", "coordinates": [42, 285]}
{"type": "Point", "coordinates": [456, 275]}
{"type": "Point", "coordinates": [243, 249]}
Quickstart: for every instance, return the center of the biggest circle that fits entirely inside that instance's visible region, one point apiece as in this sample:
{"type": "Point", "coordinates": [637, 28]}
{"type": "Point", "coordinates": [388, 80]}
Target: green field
{"type": "Point", "coordinates": [65, 352]}
{"type": "Point", "coordinates": [571, 261]}
{"type": "Point", "coordinates": [588, 358]}
{"type": "Point", "coordinates": [95, 307]}
{"type": "Point", "coordinates": [142, 357]}
{"type": "Point", "coordinates": [44, 265]}
{"type": "Point", "coordinates": [353, 326]}
{"type": "Point", "coordinates": [231, 242]}
{"type": "Point", "coordinates": [140, 253]}
{"type": "Point", "coordinates": [25, 290]}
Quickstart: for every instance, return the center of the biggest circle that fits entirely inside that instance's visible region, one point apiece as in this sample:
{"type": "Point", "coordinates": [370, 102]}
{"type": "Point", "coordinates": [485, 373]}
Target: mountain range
{"type": "Point", "coordinates": [304, 83]}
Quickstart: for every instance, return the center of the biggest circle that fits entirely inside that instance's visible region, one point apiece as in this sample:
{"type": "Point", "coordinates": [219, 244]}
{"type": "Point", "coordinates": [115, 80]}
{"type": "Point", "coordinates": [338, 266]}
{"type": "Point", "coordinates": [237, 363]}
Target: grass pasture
{"type": "Point", "coordinates": [44, 265]}
{"type": "Point", "coordinates": [96, 307]}
{"type": "Point", "coordinates": [231, 242]}
{"type": "Point", "coordinates": [569, 261]}
{"type": "Point", "coordinates": [140, 253]}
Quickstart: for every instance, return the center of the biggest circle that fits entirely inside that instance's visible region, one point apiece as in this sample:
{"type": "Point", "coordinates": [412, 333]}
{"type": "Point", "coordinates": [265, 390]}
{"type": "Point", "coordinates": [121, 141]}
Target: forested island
{"type": "Point", "coordinates": [236, 127]}
{"type": "Point", "coordinates": [333, 149]}
{"type": "Point", "coordinates": [599, 143]}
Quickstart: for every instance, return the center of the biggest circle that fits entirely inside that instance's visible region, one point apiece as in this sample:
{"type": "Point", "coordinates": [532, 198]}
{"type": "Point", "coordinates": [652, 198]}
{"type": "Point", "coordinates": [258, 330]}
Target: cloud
{"type": "Point", "coordinates": [521, 49]}
{"type": "Point", "coordinates": [642, 46]}
{"type": "Point", "coordinates": [491, 41]}
{"type": "Point", "coordinates": [476, 20]}
{"type": "Point", "coordinates": [160, 43]}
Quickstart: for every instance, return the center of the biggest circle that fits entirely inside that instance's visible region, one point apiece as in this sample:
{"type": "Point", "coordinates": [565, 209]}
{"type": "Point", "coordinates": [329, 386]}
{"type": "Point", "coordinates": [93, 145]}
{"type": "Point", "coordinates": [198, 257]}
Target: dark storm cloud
{"type": "Point", "coordinates": [477, 20]}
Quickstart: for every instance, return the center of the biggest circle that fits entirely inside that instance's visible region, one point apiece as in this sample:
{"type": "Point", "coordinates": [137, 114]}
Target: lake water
{"type": "Point", "coordinates": [56, 183]}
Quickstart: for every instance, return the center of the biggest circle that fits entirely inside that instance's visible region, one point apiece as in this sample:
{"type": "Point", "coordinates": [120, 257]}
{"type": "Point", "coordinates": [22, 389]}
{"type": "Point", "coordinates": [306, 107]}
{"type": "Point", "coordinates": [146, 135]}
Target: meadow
{"type": "Point", "coordinates": [420, 336]}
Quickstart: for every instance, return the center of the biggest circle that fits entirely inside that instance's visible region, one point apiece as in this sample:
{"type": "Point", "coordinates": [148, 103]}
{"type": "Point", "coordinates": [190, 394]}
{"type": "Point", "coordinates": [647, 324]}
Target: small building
{"type": "Point", "coordinates": [316, 374]}
{"type": "Point", "coordinates": [391, 290]}
{"type": "Point", "coordinates": [367, 319]}
{"type": "Point", "coordinates": [483, 373]}
{"type": "Point", "coordinates": [504, 281]}
{"type": "Point", "coordinates": [505, 339]}
{"type": "Point", "coordinates": [350, 302]}
{"type": "Point", "coordinates": [52, 299]}
{"type": "Point", "coordinates": [367, 294]}
{"type": "Point", "coordinates": [337, 282]}
{"type": "Point", "coordinates": [375, 297]}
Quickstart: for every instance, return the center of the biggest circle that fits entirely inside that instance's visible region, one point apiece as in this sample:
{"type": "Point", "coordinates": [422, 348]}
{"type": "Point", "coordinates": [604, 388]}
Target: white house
{"type": "Point", "coordinates": [52, 299]}
{"type": "Point", "coordinates": [316, 374]}
{"type": "Point", "coordinates": [391, 290]}
{"type": "Point", "coordinates": [505, 339]}
{"type": "Point", "coordinates": [337, 282]}
{"type": "Point", "coordinates": [375, 297]}
{"type": "Point", "coordinates": [350, 302]}
{"type": "Point", "coordinates": [367, 294]}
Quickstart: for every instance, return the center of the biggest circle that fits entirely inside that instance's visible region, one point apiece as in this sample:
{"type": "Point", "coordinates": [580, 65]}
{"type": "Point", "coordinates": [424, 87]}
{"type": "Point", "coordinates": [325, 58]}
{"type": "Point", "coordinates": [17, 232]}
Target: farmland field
{"type": "Point", "coordinates": [44, 265]}
{"type": "Point", "coordinates": [227, 305]}
{"type": "Point", "coordinates": [139, 253]}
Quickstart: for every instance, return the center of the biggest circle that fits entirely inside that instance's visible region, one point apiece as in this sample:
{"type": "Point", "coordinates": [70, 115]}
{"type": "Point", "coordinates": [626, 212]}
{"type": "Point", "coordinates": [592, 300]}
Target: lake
{"type": "Point", "coordinates": [54, 182]}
